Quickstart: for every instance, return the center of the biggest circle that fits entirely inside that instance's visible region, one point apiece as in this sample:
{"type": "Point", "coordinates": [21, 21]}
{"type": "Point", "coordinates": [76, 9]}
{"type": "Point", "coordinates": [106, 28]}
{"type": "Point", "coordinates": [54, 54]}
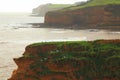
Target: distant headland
{"type": "Point", "coordinates": [44, 8]}
{"type": "Point", "coordinates": [92, 14]}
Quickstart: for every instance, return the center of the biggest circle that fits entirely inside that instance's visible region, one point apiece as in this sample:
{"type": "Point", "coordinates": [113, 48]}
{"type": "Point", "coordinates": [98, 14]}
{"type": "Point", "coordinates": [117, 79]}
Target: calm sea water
{"type": "Point", "coordinates": [15, 34]}
{"type": "Point", "coordinates": [9, 20]}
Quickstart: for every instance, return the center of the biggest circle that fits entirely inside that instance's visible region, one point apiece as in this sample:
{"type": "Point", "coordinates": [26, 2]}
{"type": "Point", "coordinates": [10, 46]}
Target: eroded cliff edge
{"type": "Point", "coordinates": [85, 60]}
{"type": "Point", "coordinates": [93, 16]}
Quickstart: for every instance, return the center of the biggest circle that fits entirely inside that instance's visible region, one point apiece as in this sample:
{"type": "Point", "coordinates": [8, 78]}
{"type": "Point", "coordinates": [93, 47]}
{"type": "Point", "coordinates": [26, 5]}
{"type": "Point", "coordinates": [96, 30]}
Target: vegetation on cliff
{"type": "Point", "coordinates": [76, 60]}
{"type": "Point", "coordinates": [59, 5]}
{"type": "Point", "coordinates": [90, 3]}
{"type": "Point", "coordinates": [43, 9]}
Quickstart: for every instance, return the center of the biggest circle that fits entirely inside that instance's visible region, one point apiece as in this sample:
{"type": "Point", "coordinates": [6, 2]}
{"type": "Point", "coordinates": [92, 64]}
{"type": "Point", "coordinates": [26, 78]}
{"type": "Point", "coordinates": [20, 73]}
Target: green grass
{"type": "Point", "coordinates": [59, 5]}
{"type": "Point", "coordinates": [72, 49]}
{"type": "Point", "coordinates": [101, 2]}
{"type": "Point", "coordinates": [94, 3]}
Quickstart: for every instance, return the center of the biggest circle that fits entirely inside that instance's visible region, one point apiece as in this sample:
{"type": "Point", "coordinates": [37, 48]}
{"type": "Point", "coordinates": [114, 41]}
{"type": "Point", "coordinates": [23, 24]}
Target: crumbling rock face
{"type": "Point", "coordinates": [108, 15]}
{"type": "Point", "coordinates": [92, 60]}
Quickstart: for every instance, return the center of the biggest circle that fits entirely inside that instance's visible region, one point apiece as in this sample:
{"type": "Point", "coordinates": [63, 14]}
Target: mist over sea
{"type": "Point", "coordinates": [16, 33]}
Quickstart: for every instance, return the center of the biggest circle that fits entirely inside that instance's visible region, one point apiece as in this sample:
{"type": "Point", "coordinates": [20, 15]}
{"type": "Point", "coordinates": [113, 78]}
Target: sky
{"type": "Point", "coordinates": [28, 5]}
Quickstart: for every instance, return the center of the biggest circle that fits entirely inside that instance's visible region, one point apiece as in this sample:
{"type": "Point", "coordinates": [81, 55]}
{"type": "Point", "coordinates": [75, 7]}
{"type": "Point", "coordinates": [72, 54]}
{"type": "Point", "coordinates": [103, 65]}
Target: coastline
{"type": "Point", "coordinates": [74, 27]}
{"type": "Point", "coordinates": [47, 48]}
{"type": "Point", "coordinates": [14, 40]}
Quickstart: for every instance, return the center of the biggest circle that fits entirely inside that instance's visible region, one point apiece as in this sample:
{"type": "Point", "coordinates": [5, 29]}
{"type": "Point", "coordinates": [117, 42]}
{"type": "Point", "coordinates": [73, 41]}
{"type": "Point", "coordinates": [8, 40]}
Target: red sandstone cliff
{"type": "Point", "coordinates": [108, 15]}
{"type": "Point", "coordinates": [66, 61]}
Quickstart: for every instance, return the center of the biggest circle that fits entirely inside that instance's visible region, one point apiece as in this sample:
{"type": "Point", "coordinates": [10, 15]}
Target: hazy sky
{"type": "Point", "coordinates": [27, 5]}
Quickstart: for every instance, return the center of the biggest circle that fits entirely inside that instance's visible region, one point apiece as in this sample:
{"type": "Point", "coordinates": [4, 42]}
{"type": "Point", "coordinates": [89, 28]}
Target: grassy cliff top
{"type": "Point", "coordinates": [59, 5]}
{"type": "Point", "coordinates": [72, 48]}
{"type": "Point", "coordinates": [90, 59]}
{"type": "Point", "coordinates": [94, 3]}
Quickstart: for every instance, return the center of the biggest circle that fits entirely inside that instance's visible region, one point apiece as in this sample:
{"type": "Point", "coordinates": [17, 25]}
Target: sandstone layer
{"type": "Point", "coordinates": [95, 16]}
{"type": "Point", "coordinates": [86, 60]}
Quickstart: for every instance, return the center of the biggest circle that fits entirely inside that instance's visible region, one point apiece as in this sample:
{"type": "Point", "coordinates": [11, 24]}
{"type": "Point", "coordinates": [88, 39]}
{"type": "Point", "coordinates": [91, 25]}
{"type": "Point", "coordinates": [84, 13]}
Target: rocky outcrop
{"type": "Point", "coordinates": [43, 9]}
{"type": "Point", "coordinates": [107, 15]}
{"type": "Point", "coordinates": [92, 60]}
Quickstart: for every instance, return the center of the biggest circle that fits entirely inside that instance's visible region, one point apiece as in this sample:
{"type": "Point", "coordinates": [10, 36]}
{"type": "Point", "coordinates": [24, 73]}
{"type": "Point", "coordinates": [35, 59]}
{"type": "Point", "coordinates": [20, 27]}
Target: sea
{"type": "Point", "coordinates": [16, 33]}
{"type": "Point", "coordinates": [18, 20]}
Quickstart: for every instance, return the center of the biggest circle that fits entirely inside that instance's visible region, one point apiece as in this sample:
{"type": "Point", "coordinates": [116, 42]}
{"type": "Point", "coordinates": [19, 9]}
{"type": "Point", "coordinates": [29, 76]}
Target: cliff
{"type": "Point", "coordinates": [94, 13]}
{"type": "Point", "coordinates": [43, 9]}
{"type": "Point", "coordinates": [86, 60]}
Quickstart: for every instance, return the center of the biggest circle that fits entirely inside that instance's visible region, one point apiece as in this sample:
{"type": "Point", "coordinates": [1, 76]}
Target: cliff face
{"type": "Point", "coordinates": [97, 60]}
{"type": "Point", "coordinates": [108, 15]}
